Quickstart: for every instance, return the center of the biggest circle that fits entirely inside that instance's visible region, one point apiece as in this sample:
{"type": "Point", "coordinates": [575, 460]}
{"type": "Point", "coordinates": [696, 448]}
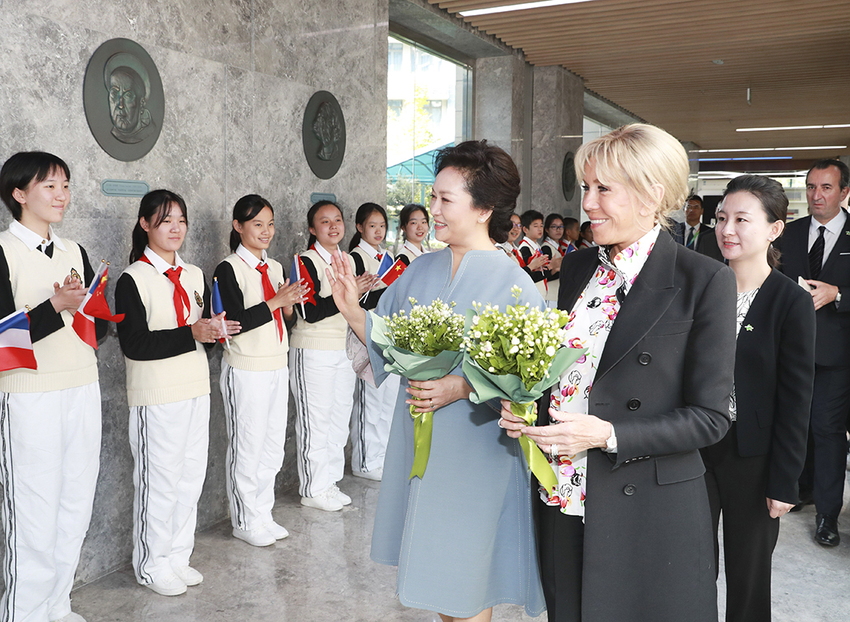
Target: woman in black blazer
{"type": "Point", "coordinates": [752, 473]}
{"type": "Point", "coordinates": [626, 535]}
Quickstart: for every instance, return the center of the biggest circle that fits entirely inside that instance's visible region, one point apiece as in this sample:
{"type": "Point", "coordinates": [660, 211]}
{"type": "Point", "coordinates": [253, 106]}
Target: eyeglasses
{"type": "Point", "coordinates": [557, 227]}
{"type": "Point", "coordinates": [516, 225]}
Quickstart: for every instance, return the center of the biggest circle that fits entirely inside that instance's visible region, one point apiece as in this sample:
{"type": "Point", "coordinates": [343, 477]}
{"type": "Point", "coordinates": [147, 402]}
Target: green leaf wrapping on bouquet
{"type": "Point", "coordinates": [488, 386]}
{"type": "Point", "coordinates": [414, 366]}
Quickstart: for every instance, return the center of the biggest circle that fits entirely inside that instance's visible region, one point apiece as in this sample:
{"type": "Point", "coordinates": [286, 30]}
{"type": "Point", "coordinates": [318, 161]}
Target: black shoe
{"type": "Point", "coordinates": [806, 498]}
{"type": "Point", "coordinates": [826, 531]}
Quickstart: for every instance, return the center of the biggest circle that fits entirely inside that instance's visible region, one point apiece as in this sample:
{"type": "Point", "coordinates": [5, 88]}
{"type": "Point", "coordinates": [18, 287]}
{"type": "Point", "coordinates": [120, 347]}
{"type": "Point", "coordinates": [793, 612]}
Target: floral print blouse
{"type": "Point", "coordinates": [590, 324]}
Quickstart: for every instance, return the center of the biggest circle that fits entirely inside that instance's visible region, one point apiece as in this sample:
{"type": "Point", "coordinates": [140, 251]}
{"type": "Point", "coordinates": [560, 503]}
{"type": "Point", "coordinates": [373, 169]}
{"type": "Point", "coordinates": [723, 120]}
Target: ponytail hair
{"type": "Point", "coordinates": [771, 195]}
{"type": "Point", "coordinates": [311, 214]}
{"type": "Point", "coordinates": [154, 208]}
{"type": "Point", "coordinates": [363, 213]}
{"type": "Point", "coordinates": [246, 209]}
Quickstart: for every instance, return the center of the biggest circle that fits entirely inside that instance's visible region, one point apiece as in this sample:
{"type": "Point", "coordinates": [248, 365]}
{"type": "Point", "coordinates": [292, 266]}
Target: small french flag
{"type": "Point", "coordinates": [386, 264]}
{"type": "Point", "coordinates": [15, 343]}
{"type": "Point", "coordinates": [94, 305]}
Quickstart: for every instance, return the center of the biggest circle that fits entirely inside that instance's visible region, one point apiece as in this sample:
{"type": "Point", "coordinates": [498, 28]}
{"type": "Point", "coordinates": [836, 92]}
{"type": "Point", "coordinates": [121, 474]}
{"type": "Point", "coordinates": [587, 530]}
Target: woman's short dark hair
{"type": "Point", "coordinates": [492, 180]}
{"type": "Point", "coordinates": [773, 201]}
{"type": "Point", "coordinates": [24, 168]}
{"type": "Point", "coordinates": [362, 215]}
{"type": "Point", "coordinates": [311, 215]}
{"type": "Point", "coordinates": [154, 208]}
{"type": "Point", "coordinates": [246, 209]}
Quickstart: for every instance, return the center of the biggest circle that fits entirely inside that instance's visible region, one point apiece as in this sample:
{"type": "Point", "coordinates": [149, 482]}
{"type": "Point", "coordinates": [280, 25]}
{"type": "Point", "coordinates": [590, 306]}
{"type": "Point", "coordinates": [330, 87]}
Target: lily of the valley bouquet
{"type": "Point", "coordinates": [421, 345]}
{"type": "Point", "coordinates": [516, 355]}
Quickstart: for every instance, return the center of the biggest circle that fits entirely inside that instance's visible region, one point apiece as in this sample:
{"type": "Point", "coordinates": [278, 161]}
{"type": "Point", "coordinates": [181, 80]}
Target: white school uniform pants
{"type": "Point", "coordinates": [50, 458]}
{"type": "Point", "coordinates": [255, 406]}
{"type": "Point", "coordinates": [370, 423]}
{"type": "Point", "coordinates": [169, 445]}
{"type": "Point", "coordinates": [323, 386]}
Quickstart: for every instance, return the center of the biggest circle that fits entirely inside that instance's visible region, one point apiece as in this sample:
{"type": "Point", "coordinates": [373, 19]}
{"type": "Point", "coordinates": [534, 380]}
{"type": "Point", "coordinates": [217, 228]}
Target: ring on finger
{"type": "Point", "coordinates": [553, 451]}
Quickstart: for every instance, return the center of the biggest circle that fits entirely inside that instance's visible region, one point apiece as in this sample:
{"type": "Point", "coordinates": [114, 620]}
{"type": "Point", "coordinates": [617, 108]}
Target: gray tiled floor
{"type": "Point", "coordinates": [323, 572]}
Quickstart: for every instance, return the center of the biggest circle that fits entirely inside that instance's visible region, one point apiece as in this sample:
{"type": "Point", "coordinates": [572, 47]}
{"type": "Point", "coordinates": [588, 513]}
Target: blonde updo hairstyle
{"type": "Point", "coordinates": [640, 156]}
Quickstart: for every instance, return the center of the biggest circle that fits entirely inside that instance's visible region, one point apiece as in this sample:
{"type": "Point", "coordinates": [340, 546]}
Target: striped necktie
{"type": "Point", "coordinates": [816, 254]}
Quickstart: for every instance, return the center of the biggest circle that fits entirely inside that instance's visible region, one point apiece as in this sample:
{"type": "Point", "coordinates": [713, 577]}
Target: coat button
{"type": "Point", "coordinates": [633, 404]}
{"type": "Point", "coordinates": [644, 358]}
{"type": "Point", "coordinates": [629, 489]}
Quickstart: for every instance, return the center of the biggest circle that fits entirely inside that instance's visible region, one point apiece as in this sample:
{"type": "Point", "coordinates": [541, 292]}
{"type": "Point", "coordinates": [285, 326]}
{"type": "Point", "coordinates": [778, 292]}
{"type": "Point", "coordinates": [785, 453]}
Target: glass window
{"type": "Point", "coordinates": [428, 108]}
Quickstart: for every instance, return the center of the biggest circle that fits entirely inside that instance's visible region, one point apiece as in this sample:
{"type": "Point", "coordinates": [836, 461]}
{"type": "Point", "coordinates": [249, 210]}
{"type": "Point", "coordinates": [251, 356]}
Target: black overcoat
{"type": "Point", "coordinates": [663, 381]}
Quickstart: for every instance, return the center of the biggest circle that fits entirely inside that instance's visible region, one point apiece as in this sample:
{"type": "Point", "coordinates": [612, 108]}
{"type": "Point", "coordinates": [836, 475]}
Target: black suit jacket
{"type": "Point", "coordinates": [663, 380]}
{"type": "Point", "coordinates": [832, 347]}
{"type": "Point", "coordinates": [774, 378]}
{"type": "Point", "coordinates": [706, 240]}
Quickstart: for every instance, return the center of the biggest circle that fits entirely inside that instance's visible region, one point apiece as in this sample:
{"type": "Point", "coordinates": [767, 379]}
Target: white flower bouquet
{"type": "Point", "coordinates": [421, 345]}
{"type": "Point", "coordinates": [516, 355]}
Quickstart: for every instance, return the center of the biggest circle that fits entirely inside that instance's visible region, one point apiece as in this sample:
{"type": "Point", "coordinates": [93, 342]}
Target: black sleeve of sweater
{"type": "Point", "coordinates": [359, 265]}
{"type": "Point", "coordinates": [100, 326]}
{"type": "Point", "coordinates": [550, 276]}
{"type": "Point", "coordinates": [234, 302]}
{"type": "Point", "coordinates": [372, 298]}
{"type": "Point", "coordinates": [536, 275]}
{"type": "Point", "coordinates": [137, 341]}
{"type": "Point", "coordinates": [44, 320]}
{"type": "Point", "coordinates": [325, 307]}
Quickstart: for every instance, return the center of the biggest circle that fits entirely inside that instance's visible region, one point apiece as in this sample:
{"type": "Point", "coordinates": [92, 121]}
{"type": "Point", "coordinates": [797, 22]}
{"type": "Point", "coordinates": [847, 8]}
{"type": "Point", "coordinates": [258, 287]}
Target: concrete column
{"type": "Point", "coordinates": [502, 97]}
{"type": "Point", "coordinates": [558, 110]}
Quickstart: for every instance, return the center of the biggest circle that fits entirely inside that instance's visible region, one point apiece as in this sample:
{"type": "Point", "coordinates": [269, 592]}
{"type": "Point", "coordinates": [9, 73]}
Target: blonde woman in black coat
{"type": "Point", "coordinates": [626, 534]}
{"type": "Point", "coordinates": [752, 473]}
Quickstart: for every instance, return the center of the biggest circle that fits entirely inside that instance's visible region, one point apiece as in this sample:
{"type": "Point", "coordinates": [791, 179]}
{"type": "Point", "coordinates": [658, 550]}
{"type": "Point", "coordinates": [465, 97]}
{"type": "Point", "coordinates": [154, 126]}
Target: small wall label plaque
{"type": "Point", "coordinates": [124, 188]}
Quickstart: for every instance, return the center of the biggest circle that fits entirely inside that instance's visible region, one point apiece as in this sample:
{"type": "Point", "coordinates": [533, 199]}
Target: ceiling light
{"type": "Point", "coordinates": [768, 149]}
{"type": "Point", "coordinates": [810, 148]}
{"type": "Point", "coordinates": [792, 127]}
{"type": "Point", "coordinates": [519, 7]}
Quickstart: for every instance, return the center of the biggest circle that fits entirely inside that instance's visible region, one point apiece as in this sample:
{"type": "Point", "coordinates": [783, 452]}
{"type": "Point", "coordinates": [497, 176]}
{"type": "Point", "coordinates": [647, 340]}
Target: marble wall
{"type": "Point", "coordinates": [237, 75]}
{"type": "Point", "coordinates": [557, 121]}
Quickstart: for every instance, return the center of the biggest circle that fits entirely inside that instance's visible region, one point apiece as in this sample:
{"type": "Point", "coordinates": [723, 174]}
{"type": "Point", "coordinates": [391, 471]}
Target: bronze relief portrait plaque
{"type": "Point", "coordinates": [123, 99]}
{"type": "Point", "coordinates": [323, 134]}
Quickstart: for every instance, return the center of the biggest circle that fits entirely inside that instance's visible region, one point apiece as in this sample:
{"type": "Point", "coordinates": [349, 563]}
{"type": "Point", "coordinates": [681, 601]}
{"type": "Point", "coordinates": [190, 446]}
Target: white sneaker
{"type": "Point", "coordinates": [341, 496]}
{"type": "Point", "coordinates": [278, 531]}
{"type": "Point", "coordinates": [375, 475]}
{"type": "Point", "coordinates": [169, 585]}
{"type": "Point", "coordinates": [71, 617]}
{"type": "Point", "coordinates": [326, 501]}
{"type": "Point", "coordinates": [188, 575]}
{"type": "Point", "coordinates": [255, 537]}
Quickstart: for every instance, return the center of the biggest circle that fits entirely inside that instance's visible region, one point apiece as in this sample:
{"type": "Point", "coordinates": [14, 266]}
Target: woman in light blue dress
{"type": "Point", "coordinates": [462, 535]}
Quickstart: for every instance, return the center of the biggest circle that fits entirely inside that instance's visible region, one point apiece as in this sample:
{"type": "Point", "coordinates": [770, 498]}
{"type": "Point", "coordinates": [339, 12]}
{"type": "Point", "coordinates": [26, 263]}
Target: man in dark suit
{"type": "Point", "coordinates": [817, 248]}
{"type": "Point", "coordinates": [695, 234]}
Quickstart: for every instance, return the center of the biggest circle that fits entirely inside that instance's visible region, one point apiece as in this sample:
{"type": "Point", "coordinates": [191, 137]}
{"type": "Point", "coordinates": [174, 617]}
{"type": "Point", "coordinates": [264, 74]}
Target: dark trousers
{"type": "Point", "coordinates": [830, 406]}
{"type": "Point", "coordinates": [736, 489]}
{"type": "Point", "coordinates": [560, 543]}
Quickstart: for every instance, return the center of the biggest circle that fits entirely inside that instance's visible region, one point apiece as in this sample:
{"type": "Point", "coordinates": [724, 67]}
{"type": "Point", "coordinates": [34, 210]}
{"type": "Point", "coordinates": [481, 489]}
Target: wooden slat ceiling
{"type": "Point", "coordinates": [655, 59]}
